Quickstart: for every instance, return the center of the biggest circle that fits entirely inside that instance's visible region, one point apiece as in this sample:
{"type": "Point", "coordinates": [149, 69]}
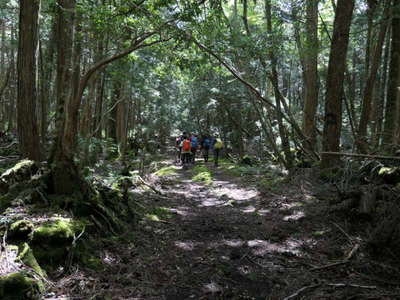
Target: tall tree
{"type": "Point", "coordinates": [334, 85]}
{"type": "Point", "coordinates": [370, 83]}
{"type": "Point", "coordinates": [311, 73]}
{"type": "Point", "coordinates": [394, 70]}
{"type": "Point", "coordinates": [28, 135]}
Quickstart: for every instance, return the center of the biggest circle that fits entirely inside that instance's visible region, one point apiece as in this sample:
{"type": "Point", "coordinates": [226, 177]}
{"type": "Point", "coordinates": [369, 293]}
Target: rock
{"type": "Point", "coordinates": [52, 241]}
{"type": "Point", "coordinates": [22, 171]}
{"type": "Point", "coordinates": [21, 230]}
{"type": "Point", "coordinates": [25, 254]}
{"type": "Point", "coordinates": [20, 286]}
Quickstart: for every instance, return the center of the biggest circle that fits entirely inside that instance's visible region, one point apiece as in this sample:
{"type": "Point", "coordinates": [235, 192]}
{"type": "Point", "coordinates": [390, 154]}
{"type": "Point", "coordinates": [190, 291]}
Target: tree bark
{"type": "Point", "coordinates": [394, 70]}
{"type": "Point", "coordinates": [28, 135]}
{"type": "Point", "coordinates": [334, 92]}
{"type": "Point", "coordinates": [370, 83]}
{"type": "Point", "coordinates": [311, 74]}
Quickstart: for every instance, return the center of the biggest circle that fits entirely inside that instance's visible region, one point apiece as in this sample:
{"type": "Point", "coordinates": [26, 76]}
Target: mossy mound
{"type": "Point", "coordinates": [22, 171]}
{"type": "Point", "coordinates": [20, 286]}
{"type": "Point", "coordinates": [53, 240]}
{"type": "Point", "coordinates": [21, 230]}
{"type": "Point", "coordinates": [166, 171]}
{"type": "Point", "coordinates": [202, 174]}
{"type": "Point", "coordinates": [59, 231]}
{"type": "Point", "coordinates": [25, 254]}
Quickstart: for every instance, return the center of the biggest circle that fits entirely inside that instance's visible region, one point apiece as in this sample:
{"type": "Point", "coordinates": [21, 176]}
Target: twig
{"type": "Point", "coordinates": [352, 285]}
{"type": "Point", "coordinates": [352, 252]}
{"type": "Point", "coordinates": [330, 265]}
{"type": "Point", "coordinates": [150, 186]}
{"type": "Point", "coordinates": [344, 232]}
{"type": "Point", "coordinates": [301, 290]}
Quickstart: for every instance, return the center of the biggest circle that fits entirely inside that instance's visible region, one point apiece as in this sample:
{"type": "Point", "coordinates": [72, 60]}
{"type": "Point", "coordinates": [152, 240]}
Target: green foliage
{"type": "Point", "coordinates": [20, 286]}
{"type": "Point", "coordinates": [166, 171]}
{"type": "Point", "coordinates": [202, 174]}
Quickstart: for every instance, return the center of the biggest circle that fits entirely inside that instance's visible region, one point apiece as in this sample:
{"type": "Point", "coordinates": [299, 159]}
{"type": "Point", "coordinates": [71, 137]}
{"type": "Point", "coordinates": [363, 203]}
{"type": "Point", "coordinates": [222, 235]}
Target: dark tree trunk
{"type": "Point", "coordinates": [311, 73]}
{"type": "Point", "coordinates": [370, 84]}
{"type": "Point", "coordinates": [334, 92]}
{"type": "Point", "coordinates": [28, 135]}
{"type": "Point", "coordinates": [394, 70]}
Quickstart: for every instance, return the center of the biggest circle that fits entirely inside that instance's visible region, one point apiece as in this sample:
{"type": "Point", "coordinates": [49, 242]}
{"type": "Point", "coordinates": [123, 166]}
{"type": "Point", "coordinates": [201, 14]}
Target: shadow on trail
{"type": "Point", "coordinates": [212, 235]}
{"type": "Point", "coordinates": [221, 239]}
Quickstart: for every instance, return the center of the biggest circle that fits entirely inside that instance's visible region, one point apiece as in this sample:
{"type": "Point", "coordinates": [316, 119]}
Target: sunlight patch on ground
{"type": "Point", "coordinates": [109, 259]}
{"type": "Point", "coordinates": [211, 202]}
{"type": "Point", "coordinates": [8, 261]}
{"type": "Point", "coordinates": [234, 243]}
{"type": "Point", "coordinates": [249, 209]}
{"type": "Point", "coordinates": [234, 192]}
{"type": "Point", "coordinates": [297, 215]}
{"type": "Point", "coordinates": [263, 212]}
{"type": "Point", "coordinates": [182, 211]}
{"type": "Point", "coordinates": [262, 247]}
{"type": "Point", "coordinates": [187, 245]}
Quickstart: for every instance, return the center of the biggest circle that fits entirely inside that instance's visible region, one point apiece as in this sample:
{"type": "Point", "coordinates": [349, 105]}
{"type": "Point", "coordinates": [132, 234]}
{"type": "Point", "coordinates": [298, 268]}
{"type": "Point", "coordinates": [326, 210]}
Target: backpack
{"type": "Point", "coordinates": [186, 146]}
{"type": "Point", "coordinates": [206, 143]}
{"type": "Point", "coordinates": [194, 142]}
{"type": "Point", "coordinates": [218, 144]}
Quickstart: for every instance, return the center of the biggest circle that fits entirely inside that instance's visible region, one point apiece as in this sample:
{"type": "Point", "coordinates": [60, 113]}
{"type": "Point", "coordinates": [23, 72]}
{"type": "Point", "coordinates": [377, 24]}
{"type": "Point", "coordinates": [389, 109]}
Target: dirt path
{"type": "Point", "coordinates": [225, 240]}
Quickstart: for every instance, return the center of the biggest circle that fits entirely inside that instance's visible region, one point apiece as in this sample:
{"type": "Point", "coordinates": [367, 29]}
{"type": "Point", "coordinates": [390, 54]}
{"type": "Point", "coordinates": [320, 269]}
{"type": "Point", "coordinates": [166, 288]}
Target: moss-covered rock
{"type": "Point", "coordinates": [58, 232]}
{"type": "Point", "coordinates": [25, 254]}
{"type": "Point", "coordinates": [20, 286]}
{"type": "Point", "coordinates": [22, 171]}
{"type": "Point", "coordinates": [52, 241]}
{"type": "Point", "coordinates": [21, 230]}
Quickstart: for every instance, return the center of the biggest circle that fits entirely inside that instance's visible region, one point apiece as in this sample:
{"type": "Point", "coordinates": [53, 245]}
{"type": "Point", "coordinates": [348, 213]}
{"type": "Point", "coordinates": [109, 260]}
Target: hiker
{"type": "Point", "coordinates": [194, 145]}
{"type": "Point", "coordinates": [186, 150]}
{"type": "Point", "coordinates": [178, 145]}
{"type": "Point", "coordinates": [205, 147]}
{"type": "Point", "coordinates": [218, 145]}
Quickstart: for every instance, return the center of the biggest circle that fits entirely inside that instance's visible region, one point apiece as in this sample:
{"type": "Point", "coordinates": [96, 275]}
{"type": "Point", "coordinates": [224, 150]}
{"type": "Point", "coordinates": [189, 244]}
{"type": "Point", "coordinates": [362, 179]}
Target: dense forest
{"type": "Point", "coordinates": [302, 94]}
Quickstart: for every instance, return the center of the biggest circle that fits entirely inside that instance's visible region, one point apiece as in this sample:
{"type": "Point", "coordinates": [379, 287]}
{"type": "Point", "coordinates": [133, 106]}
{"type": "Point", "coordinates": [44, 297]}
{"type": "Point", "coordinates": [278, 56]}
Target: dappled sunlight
{"type": "Point", "coordinates": [249, 209]}
{"type": "Point", "coordinates": [234, 192]}
{"type": "Point", "coordinates": [297, 215]}
{"type": "Point", "coordinates": [183, 211]}
{"type": "Point", "coordinates": [263, 212]}
{"type": "Point", "coordinates": [211, 202]}
{"type": "Point", "coordinates": [109, 259]}
{"type": "Point", "coordinates": [233, 243]}
{"type": "Point", "coordinates": [185, 245]}
{"type": "Point", "coordinates": [263, 247]}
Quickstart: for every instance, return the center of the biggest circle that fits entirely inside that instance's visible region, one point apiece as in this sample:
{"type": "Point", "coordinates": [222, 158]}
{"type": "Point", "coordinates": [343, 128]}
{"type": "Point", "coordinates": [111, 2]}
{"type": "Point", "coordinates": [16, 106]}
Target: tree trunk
{"type": "Point", "coordinates": [28, 136]}
{"type": "Point", "coordinates": [394, 69]}
{"type": "Point", "coordinates": [334, 92]}
{"type": "Point", "coordinates": [278, 96]}
{"type": "Point", "coordinates": [311, 74]}
{"type": "Point", "coordinates": [382, 94]}
{"type": "Point", "coordinates": [370, 84]}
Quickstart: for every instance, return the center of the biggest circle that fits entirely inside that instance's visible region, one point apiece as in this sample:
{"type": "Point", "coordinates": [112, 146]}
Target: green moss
{"type": "Point", "coordinates": [21, 230]}
{"type": "Point", "coordinates": [92, 262]}
{"type": "Point", "coordinates": [19, 286]}
{"type": "Point", "coordinates": [267, 183]}
{"type": "Point", "coordinates": [52, 241]}
{"type": "Point", "coordinates": [166, 171]}
{"type": "Point", "coordinates": [59, 231]}
{"type": "Point", "coordinates": [21, 166]}
{"type": "Point", "coordinates": [25, 254]}
{"type": "Point", "coordinates": [202, 174]}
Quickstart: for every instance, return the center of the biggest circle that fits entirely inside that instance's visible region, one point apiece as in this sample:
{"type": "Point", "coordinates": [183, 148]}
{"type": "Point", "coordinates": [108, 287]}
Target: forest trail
{"type": "Point", "coordinates": [224, 239]}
